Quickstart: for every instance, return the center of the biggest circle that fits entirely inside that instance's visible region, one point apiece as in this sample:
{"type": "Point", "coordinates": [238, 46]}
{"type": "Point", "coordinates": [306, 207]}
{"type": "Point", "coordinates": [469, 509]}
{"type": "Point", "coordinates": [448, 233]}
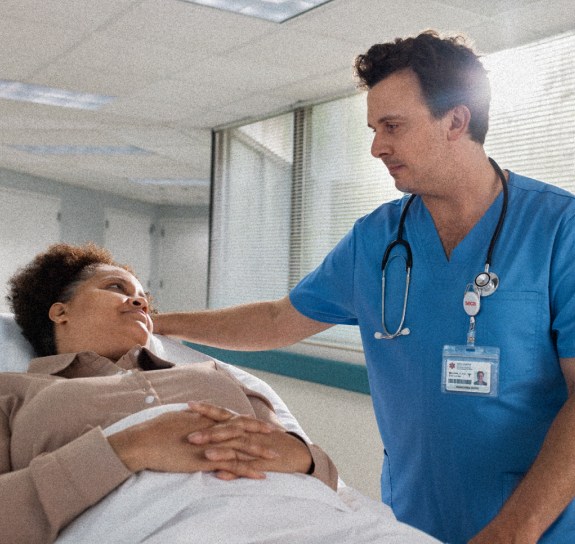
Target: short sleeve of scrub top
{"type": "Point", "coordinates": [327, 294]}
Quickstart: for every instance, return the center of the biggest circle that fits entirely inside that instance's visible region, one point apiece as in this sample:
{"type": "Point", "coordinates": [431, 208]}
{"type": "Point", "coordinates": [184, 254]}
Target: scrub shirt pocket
{"type": "Point", "coordinates": [511, 321]}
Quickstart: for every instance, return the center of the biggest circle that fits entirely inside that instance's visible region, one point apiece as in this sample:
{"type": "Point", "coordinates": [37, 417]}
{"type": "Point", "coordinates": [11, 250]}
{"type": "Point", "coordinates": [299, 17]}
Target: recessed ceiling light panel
{"type": "Point", "coordinates": [80, 149]}
{"type": "Point", "coordinates": [276, 11]}
{"type": "Point", "coordinates": [39, 94]}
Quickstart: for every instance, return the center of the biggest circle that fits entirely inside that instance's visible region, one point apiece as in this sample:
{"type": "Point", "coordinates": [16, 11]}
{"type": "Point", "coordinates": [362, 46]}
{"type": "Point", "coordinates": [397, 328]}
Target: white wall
{"type": "Point", "coordinates": [128, 237]}
{"type": "Point", "coordinates": [36, 212]}
{"type": "Point", "coordinates": [183, 264]}
{"type": "Point", "coordinates": [28, 223]}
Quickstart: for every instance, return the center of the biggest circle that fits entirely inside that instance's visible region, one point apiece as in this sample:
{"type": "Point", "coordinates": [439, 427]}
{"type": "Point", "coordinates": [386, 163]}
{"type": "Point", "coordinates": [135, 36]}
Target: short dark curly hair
{"type": "Point", "coordinates": [450, 73]}
{"type": "Point", "coordinates": [51, 277]}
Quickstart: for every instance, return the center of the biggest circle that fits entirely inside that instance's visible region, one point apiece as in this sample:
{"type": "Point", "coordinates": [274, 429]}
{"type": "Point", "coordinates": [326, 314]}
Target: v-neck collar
{"type": "Point", "coordinates": [428, 243]}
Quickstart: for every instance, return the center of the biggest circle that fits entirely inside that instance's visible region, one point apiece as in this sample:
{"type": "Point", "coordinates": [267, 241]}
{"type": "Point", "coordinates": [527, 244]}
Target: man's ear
{"type": "Point", "coordinates": [459, 118]}
{"type": "Point", "coordinates": [58, 312]}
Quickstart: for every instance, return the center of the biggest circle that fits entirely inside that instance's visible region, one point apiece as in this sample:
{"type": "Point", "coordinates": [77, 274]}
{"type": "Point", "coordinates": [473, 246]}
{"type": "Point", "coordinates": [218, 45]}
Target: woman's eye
{"type": "Point", "coordinates": [117, 286]}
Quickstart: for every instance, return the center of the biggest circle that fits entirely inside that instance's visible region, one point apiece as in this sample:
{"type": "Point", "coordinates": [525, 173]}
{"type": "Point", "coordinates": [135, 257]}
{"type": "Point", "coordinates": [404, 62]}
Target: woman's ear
{"type": "Point", "coordinates": [58, 312]}
{"type": "Point", "coordinates": [459, 118]}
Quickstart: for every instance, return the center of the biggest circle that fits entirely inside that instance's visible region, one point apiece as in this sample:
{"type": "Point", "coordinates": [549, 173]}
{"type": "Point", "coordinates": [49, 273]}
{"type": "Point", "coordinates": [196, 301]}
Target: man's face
{"type": "Point", "coordinates": [407, 138]}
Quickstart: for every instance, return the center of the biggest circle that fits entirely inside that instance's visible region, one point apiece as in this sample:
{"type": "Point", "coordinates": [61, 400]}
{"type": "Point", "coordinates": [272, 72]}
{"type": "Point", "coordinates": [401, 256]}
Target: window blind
{"type": "Point", "coordinates": [287, 189]}
{"type": "Point", "coordinates": [338, 182]}
{"type": "Point", "coordinates": [532, 122]}
{"type": "Point", "coordinates": [251, 207]}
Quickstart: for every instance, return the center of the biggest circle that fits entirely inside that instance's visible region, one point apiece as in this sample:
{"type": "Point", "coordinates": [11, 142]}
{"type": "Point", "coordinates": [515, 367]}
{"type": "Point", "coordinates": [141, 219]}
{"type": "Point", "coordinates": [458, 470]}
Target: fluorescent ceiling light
{"type": "Point", "coordinates": [80, 150]}
{"type": "Point", "coordinates": [25, 92]}
{"type": "Point", "coordinates": [276, 11]}
{"type": "Point", "coordinates": [167, 182]}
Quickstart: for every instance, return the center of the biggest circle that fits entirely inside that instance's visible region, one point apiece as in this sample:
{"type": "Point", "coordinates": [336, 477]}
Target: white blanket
{"type": "Point", "coordinates": [163, 508]}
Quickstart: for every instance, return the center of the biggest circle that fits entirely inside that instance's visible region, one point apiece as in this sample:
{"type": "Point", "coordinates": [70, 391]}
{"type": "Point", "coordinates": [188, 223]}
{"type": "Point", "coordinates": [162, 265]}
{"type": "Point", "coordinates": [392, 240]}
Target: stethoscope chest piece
{"type": "Point", "coordinates": [486, 283]}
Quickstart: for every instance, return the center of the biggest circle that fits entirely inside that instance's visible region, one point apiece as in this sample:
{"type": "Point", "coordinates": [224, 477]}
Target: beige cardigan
{"type": "Point", "coordinates": [54, 460]}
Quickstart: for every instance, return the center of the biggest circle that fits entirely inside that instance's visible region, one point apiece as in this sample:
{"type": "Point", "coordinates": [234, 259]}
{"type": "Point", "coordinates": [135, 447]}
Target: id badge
{"type": "Point", "coordinates": [470, 370]}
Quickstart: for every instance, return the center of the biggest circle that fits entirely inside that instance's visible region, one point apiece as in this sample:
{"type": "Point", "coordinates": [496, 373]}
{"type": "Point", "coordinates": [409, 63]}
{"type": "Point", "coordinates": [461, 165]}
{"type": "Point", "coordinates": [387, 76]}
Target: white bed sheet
{"type": "Point", "coordinates": [198, 508]}
{"type": "Point", "coordinates": [159, 508]}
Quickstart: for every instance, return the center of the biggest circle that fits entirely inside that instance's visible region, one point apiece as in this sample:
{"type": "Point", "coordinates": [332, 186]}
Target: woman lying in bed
{"type": "Point", "coordinates": [89, 320]}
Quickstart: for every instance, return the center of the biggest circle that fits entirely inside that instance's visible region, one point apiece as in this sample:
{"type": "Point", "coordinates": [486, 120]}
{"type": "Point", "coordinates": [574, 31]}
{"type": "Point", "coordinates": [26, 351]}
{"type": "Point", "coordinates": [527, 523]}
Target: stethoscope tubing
{"type": "Point", "coordinates": [400, 241]}
{"type": "Point", "coordinates": [502, 215]}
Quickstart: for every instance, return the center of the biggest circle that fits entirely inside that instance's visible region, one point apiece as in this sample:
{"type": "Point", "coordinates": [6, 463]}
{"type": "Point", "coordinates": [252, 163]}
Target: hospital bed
{"type": "Point", "coordinates": [156, 507]}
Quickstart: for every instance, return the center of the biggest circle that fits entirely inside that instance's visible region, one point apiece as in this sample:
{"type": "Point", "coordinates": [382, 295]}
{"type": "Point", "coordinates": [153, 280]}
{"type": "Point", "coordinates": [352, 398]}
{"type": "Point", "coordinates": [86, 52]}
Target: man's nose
{"type": "Point", "coordinates": [379, 146]}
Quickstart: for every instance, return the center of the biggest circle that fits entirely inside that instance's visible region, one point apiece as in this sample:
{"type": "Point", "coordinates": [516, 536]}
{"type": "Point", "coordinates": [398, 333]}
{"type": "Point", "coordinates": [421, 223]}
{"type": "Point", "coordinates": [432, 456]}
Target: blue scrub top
{"type": "Point", "coordinates": [451, 460]}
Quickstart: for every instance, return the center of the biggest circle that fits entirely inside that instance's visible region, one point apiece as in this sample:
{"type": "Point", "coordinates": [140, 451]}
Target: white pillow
{"type": "Point", "coordinates": [16, 352]}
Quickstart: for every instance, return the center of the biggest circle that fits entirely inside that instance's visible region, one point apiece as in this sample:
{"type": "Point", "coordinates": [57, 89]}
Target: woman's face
{"type": "Point", "coordinates": [107, 314]}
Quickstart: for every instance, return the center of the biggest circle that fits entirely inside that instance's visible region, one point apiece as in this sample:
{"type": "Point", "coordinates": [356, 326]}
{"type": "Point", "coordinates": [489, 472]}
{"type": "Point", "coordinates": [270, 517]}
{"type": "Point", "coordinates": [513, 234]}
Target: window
{"type": "Point", "coordinates": [287, 189]}
{"type": "Point", "coordinates": [250, 238]}
{"type": "Point", "coordinates": [532, 128]}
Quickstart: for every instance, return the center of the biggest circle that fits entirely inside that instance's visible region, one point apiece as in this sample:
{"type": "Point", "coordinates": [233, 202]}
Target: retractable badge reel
{"type": "Point", "coordinates": [484, 285]}
{"type": "Point", "coordinates": [471, 369]}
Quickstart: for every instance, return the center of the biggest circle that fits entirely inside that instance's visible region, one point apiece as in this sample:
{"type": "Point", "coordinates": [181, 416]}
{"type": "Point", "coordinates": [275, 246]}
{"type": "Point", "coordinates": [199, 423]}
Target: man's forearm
{"type": "Point", "coordinates": [248, 327]}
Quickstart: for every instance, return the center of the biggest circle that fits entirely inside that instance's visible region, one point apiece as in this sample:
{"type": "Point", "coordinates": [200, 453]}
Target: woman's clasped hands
{"type": "Point", "coordinates": [209, 438]}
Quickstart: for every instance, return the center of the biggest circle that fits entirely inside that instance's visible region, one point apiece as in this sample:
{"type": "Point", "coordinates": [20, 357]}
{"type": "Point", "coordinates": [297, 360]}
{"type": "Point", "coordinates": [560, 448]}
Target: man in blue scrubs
{"type": "Point", "coordinates": [428, 102]}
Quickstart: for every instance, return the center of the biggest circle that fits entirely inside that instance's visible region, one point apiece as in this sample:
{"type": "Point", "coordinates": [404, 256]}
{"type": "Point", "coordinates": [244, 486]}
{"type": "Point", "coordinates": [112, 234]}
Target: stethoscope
{"type": "Point", "coordinates": [484, 284]}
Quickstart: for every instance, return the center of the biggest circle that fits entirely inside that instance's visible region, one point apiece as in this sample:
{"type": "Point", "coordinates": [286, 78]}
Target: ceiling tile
{"type": "Point", "coordinates": [178, 70]}
{"type": "Point", "coordinates": [543, 19]}
{"type": "Point", "coordinates": [40, 40]}
{"type": "Point", "coordinates": [63, 75]}
{"type": "Point", "coordinates": [75, 15]}
{"type": "Point", "coordinates": [335, 84]}
{"type": "Point", "coordinates": [305, 54]}
{"type": "Point", "coordinates": [489, 8]}
{"type": "Point", "coordinates": [183, 26]}
{"type": "Point", "coordinates": [499, 34]}
{"type": "Point", "coordinates": [124, 56]}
